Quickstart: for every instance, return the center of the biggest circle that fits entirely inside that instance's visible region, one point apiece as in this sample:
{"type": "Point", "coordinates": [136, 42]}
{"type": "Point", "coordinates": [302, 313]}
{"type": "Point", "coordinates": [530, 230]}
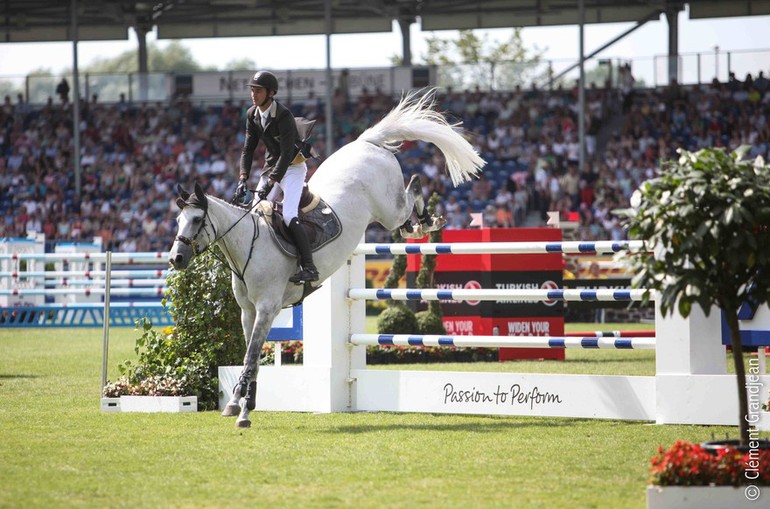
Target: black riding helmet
{"type": "Point", "coordinates": [265, 79]}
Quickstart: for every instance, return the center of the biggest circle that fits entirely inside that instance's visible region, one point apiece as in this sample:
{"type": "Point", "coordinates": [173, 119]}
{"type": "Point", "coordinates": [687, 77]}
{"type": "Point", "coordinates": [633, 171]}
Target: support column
{"type": "Point", "coordinates": [406, 40]}
{"type": "Point", "coordinates": [582, 91]}
{"type": "Point", "coordinates": [75, 97]}
{"type": "Point", "coordinates": [672, 15]}
{"type": "Point", "coordinates": [141, 30]}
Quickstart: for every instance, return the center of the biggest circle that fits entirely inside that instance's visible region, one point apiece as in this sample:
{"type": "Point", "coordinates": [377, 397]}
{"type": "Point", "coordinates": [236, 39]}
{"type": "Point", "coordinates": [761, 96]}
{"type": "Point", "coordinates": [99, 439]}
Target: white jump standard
{"type": "Point", "coordinates": [690, 366]}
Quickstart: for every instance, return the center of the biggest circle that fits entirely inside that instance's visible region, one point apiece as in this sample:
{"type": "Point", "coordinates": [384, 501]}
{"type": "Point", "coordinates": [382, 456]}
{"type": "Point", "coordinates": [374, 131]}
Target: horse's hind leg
{"type": "Point", "coordinates": [415, 201]}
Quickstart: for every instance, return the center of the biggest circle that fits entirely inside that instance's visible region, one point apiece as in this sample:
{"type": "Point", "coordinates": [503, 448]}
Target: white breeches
{"type": "Point", "coordinates": [291, 185]}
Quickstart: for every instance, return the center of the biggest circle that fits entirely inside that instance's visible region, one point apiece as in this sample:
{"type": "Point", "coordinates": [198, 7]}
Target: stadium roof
{"type": "Point", "coordinates": [50, 20]}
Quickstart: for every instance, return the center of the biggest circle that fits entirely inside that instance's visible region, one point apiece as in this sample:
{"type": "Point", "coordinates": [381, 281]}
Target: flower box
{"type": "Point", "coordinates": [169, 404]}
{"type": "Point", "coordinates": [705, 497]}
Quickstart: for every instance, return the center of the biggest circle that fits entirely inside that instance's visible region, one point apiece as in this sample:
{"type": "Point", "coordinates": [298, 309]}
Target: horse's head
{"type": "Point", "coordinates": [193, 234]}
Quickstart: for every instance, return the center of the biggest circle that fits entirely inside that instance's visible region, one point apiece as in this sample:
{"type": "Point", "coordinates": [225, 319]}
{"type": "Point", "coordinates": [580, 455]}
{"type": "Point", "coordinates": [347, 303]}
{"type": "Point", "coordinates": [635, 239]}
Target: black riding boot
{"type": "Point", "coordinates": [307, 270]}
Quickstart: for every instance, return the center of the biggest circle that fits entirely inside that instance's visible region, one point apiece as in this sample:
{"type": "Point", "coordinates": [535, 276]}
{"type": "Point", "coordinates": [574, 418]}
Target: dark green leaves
{"type": "Point", "coordinates": [706, 216]}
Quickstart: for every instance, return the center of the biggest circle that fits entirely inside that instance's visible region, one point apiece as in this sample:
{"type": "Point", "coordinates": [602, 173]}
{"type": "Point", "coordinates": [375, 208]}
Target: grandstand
{"type": "Point", "coordinates": [134, 154]}
{"type": "Point", "coordinates": [136, 147]}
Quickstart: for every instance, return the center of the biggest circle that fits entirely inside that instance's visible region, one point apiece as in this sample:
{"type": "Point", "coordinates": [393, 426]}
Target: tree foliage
{"type": "Point", "coordinates": [469, 60]}
{"type": "Point", "coordinates": [174, 57]}
{"type": "Point", "coordinates": [706, 220]}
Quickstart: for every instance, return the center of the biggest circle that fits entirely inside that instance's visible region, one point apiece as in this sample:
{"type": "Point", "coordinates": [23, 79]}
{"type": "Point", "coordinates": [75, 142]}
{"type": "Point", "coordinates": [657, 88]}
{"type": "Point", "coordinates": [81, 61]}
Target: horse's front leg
{"type": "Point", "coordinates": [233, 407]}
{"type": "Point", "coordinates": [248, 377]}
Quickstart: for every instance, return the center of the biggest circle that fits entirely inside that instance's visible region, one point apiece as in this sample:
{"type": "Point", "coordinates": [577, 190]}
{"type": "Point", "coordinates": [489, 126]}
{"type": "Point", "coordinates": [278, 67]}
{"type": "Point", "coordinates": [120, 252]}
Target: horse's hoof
{"type": "Point", "coordinates": [415, 233]}
{"type": "Point", "coordinates": [436, 224]}
{"type": "Point", "coordinates": [231, 410]}
{"type": "Point", "coordinates": [245, 423]}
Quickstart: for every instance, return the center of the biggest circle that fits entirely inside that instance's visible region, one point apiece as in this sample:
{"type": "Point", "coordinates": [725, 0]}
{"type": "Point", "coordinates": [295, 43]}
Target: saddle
{"type": "Point", "coordinates": [320, 222]}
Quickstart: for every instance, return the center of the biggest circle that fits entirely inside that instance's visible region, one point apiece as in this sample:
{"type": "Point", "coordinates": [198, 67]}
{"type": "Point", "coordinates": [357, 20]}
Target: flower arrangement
{"type": "Point", "coordinates": [688, 464]}
{"type": "Point", "coordinates": [397, 354]}
{"type": "Point", "coordinates": [162, 385]}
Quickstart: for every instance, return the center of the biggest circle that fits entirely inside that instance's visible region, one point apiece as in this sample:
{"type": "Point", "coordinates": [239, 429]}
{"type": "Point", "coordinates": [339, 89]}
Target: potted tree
{"type": "Point", "coordinates": [706, 218]}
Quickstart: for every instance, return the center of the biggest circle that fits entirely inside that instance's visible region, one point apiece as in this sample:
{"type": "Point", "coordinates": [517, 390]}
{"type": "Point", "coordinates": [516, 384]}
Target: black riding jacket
{"type": "Point", "coordinates": [280, 138]}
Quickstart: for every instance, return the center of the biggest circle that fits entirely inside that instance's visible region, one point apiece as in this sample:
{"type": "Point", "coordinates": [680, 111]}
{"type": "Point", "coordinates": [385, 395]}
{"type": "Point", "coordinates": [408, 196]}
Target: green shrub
{"type": "Point", "coordinates": [397, 319]}
{"type": "Point", "coordinates": [207, 333]}
{"type": "Point", "coordinates": [429, 322]}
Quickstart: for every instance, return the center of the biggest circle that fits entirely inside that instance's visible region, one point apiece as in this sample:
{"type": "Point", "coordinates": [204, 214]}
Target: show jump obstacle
{"type": "Point", "coordinates": [691, 384]}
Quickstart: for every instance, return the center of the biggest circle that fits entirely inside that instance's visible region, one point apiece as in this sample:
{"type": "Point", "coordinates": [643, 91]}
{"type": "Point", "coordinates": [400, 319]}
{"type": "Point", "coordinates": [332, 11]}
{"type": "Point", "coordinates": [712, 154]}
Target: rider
{"type": "Point", "coordinates": [273, 123]}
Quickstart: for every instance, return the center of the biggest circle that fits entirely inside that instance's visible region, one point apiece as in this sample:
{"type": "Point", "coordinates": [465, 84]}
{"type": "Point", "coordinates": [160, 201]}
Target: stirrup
{"type": "Point", "coordinates": [305, 275]}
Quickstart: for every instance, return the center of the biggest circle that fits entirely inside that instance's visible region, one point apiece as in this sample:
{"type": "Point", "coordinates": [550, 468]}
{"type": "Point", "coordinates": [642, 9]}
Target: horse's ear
{"type": "Point", "coordinates": [199, 193]}
{"type": "Point", "coordinates": [182, 193]}
{"type": "Point", "coordinates": [180, 202]}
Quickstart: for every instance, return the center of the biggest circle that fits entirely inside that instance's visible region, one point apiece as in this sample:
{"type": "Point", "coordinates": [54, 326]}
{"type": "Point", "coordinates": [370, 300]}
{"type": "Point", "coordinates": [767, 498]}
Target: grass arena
{"type": "Point", "coordinates": [60, 450]}
{"type": "Point", "coordinates": [89, 458]}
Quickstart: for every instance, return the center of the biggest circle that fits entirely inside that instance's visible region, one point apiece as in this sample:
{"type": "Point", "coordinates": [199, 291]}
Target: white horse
{"type": "Point", "coordinates": [362, 182]}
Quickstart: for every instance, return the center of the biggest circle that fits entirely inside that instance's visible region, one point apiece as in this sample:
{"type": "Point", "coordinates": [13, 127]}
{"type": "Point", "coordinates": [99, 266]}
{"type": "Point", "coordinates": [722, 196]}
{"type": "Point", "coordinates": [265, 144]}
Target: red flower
{"type": "Point", "coordinates": [687, 464]}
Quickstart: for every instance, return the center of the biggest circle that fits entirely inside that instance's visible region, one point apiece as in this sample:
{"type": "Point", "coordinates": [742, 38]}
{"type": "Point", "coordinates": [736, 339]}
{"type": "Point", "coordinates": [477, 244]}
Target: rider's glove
{"type": "Point", "coordinates": [240, 191]}
{"type": "Point", "coordinates": [264, 190]}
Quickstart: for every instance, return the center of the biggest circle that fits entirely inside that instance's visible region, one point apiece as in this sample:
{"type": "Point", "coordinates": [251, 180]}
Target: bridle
{"type": "Point", "coordinates": [194, 245]}
{"type": "Point", "coordinates": [191, 242]}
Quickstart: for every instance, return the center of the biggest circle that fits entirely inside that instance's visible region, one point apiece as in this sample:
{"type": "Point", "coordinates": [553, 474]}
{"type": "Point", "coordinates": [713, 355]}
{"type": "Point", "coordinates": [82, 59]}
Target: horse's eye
{"type": "Point", "coordinates": [196, 220]}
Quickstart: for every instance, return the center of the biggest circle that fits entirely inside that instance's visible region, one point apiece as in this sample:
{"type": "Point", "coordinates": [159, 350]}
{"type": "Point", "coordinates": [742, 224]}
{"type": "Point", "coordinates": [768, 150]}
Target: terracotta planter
{"type": "Point", "coordinates": [707, 497]}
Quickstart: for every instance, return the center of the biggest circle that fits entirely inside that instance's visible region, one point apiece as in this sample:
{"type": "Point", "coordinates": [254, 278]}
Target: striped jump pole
{"type": "Point", "coordinates": [94, 305]}
{"type": "Point", "coordinates": [637, 343]}
{"type": "Point", "coordinates": [136, 283]}
{"type": "Point", "coordinates": [510, 295]}
{"type": "Point", "coordinates": [97, 274]}
{"type": "Point", "coordinates": [573, 247]}
{"type": "Point", "coordinates": [613, 334]}
{"type": "Point", "coordinates": [89, 257]}
{"type": "Point", "coordinates": [136, 292]}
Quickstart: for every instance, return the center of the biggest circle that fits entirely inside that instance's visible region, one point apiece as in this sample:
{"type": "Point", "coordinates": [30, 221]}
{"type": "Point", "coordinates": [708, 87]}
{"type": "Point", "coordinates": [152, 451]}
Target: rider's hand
{"type": "Point", "coordinates": [264, 190]}
{"type": "Point", "coordinates": [240, 191]}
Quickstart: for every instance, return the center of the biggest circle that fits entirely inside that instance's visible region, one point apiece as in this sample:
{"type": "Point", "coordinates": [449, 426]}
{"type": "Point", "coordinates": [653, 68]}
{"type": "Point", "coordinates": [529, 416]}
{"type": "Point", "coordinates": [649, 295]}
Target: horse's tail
{"type": "Point", "coordinates": [415, 119]}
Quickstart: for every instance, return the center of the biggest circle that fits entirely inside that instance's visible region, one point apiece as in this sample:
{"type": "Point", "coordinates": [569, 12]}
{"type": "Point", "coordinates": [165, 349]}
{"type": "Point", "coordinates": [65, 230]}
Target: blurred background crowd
{"type": "Point", "coordinates": [134, 155]}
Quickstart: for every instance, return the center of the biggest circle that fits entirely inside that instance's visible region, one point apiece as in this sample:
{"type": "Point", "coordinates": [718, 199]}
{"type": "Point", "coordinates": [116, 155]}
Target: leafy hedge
{"type": "Point", "coordinates": [184, 358]}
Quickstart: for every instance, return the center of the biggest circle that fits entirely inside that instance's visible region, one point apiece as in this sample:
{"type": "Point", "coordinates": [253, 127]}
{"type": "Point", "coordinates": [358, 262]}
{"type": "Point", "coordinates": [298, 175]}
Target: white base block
{"type": "Point", "coordinates": [282, 388]}
{"type": "Point", "coordinates": [110, 404]}
{"type": "Point", "coordinates": [703, 399]}
{"type": "Point", "coordinates": [590, 396]}
{"type": "Point", "coordinates": [702, 497]}
{"type": "Point", "coordinates": [167, 404]}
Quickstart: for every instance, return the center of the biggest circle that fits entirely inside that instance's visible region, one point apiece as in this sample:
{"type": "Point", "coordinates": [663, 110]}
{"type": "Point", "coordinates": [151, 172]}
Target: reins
{"type": "Point", "coordinates": [191, 242]}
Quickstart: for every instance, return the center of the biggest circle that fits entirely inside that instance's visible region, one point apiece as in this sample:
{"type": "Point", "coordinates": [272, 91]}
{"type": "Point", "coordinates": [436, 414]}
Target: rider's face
{"type": "Point", "coordinates": [258, 95]}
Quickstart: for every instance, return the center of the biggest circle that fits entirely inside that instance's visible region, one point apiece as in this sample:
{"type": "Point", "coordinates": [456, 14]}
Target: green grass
{"type": "Point", "coordinates": [57, 449]}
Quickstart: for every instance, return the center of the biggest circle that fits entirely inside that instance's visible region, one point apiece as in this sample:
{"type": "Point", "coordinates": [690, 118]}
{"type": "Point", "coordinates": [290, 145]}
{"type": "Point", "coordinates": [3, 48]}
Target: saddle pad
{"type": "Point", "coordinates": [321, 225]}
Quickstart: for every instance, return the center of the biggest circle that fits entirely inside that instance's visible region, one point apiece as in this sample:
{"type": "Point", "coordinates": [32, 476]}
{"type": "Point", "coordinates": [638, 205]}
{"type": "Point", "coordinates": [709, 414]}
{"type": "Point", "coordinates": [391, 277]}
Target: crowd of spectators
{"type": "Point", "coordinates": [134, 155]}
